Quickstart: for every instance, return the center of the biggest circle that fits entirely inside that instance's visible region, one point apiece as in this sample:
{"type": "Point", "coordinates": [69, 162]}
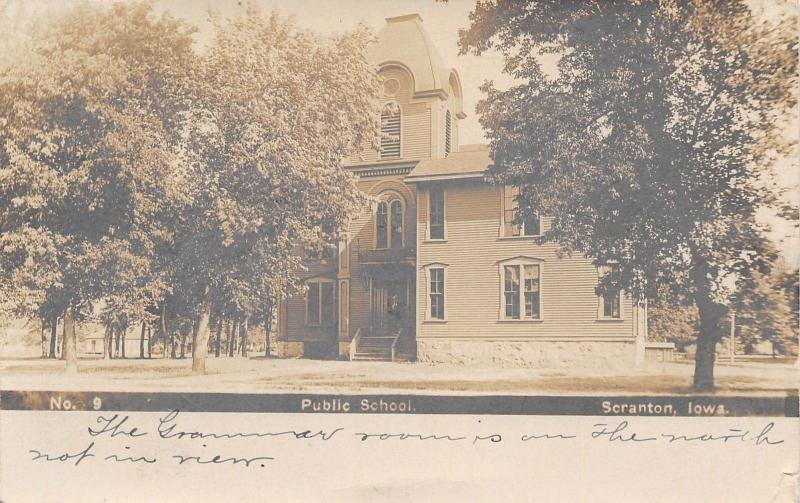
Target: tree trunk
{"type": "Point", "coordinates": [267, 327]}
{"type": "Point", "coordinates": [201, 346]}
{"type": "Point", "coordinates": [218, 341]}
{"type": "Point", "coordinates": [141, 342]}
{"type": "Point", "coordinates": [183, 344]}
{"type": "Point", "coordinates": [123, 336]}
{"type": "Point", "coordinates": [70, 343]}
{"type": "Point", "coordinates": [243, 338]}
{"type": "Point", "coordinates": [116, 342]}
{"type": "Point", "coordinates": [711, 314]}
{"type": "Point", "coordinates": [43, 335]}
{"type": "Point", "coordinates": [107, 343]}
{"type": "Point", "coordinates": [149, 341]}
{"type": "Point", "coordinates": [163, 327]}
{"type": "Point", "coordinates": [53, 336]}
{"type": "Point", "coordinates": [194, 334]}
{"type": "Point", "coordinates": [63, 339]}
{"type": "Point", "coordinates": [228, 328]}
{"type": "Point", "coordinates": [232, 338]}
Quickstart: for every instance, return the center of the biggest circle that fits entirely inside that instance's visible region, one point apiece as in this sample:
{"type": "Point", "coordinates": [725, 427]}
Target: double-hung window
{"type": "Point", "coordinates": [521, 292]}
{"type": "Point", "coordinates": [610, 301]}
{"type": "Point", "coordinates": [436, 293]}
{"type": "Point", "coordinates": [320, 308]}
{"type": "Point", "coordinates": [436, 213]}
{"type": "Point", "coordinates": [530, 227]}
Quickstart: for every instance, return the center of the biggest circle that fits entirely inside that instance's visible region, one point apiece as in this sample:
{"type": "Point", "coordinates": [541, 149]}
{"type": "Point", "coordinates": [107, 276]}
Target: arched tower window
{"type": "Point", "coordinates": [389, 223]}
{"type": "Point", "coordinates": [396, 240]}
{"type": "Point", "coordinates": [381, 227]}
{"type": "Point", "coordinates": [448, 134]}
{"type": "Point", "coordinates": [391, 118]}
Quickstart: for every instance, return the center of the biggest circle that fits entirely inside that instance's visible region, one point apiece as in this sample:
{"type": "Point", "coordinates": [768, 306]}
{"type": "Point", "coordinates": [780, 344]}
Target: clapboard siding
{"type": "Point", "coordinates": [472, 280]}
{"type": "Point", "coordinates": [361, 236]}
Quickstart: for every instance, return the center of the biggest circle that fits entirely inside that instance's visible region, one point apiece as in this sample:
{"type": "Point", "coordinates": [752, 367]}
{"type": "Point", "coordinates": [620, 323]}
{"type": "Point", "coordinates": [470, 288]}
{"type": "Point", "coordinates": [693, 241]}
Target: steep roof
{"type": "Point", "coordinates": [471, 161]}
{"type": "Point", "coordinates": [404, 41]}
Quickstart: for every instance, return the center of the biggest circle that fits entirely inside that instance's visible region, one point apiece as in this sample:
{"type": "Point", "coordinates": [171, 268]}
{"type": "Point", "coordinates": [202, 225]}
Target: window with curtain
{"type": "Point", "coordinates": [521, 291]}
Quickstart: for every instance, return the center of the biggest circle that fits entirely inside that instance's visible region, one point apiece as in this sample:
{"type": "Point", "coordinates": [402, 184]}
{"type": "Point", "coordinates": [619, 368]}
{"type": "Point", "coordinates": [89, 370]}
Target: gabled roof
{"type": "Point", "coordinates": [471, 161]}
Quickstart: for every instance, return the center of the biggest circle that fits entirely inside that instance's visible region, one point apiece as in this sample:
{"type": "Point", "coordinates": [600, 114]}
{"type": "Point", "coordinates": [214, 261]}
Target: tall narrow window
{"type": "Point", "coordinates": [320, 304]}
{"type": "Point", "coordinates": [391, 118]}
{"type": "Point", "coordinates": [530, 227]}
{"type": "Point", "coordinates": [447, 133]}
{"type": "Point", "coordinates": [437, 293]}
{"type": "Point", "coordinates": [531, 291]}
{"type": "Point", "coordinates": [327, 308]}
{"type": "Point", "coordinates": [436, 213]}
{"type": "Point", "coordinates": [512, 291]}
{"type": "Point", "coordinates": [522, 292]}
{"type": "Point", "coordinates": [382, 225]}
{"type": "Point", "coordinates": [397, 224]}
{"type": "Point", "coordinates": [312, 304]}
{"type": "Point", "coordinates": [611, 300]}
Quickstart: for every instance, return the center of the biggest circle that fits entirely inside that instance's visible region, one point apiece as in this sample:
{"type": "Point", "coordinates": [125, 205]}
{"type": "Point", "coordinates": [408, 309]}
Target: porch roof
{"type": "Point", "coordinates": [471, 161]}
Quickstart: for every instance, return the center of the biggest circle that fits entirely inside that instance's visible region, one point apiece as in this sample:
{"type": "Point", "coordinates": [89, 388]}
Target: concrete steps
{"type": "Point", "coordinates": [377, 349]}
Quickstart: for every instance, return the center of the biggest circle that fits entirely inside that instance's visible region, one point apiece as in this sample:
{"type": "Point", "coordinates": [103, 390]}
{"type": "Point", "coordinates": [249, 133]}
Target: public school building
{"type": "Point", "coordinates": [434, 269]}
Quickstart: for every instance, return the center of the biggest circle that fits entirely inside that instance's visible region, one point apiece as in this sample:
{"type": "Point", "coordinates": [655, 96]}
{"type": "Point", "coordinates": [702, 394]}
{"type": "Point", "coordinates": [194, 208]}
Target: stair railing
{"type": "Point", "coordinates": [395, 343]}
{"type": "Point", "coordinates": [354, 343]}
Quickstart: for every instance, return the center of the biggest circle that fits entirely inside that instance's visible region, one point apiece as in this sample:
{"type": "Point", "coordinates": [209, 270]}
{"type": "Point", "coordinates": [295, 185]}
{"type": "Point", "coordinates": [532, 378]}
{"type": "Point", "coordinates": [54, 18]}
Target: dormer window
{"type": "Point", "coordinates": [391, 118]}
{"type": "Point", "coordinates": [448, 134]}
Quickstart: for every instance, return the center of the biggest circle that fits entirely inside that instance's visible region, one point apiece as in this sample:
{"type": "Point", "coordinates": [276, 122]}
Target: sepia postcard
{"type": "Point", "coordinates": [399, 250]}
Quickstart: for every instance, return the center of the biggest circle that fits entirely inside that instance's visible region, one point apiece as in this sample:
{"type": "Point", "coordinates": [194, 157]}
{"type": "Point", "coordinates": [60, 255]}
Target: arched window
{"type": "Point", "coordinates": [447, 133]}
{"type": "Point", "coordinates": [391, 118]}
{"type": "Point", "coordinates": [381, 226]}
{"type": "Point", "coordinates": [389, 222]}
{"type": "Point", "coordinates": [396, 240]}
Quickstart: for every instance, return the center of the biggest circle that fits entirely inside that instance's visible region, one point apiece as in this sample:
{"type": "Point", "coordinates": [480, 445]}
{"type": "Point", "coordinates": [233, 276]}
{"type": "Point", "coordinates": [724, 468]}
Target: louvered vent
{"type": "Point", "coordinates": [390, 132]}
{"type": "Point", "coordinates": [447, 134]}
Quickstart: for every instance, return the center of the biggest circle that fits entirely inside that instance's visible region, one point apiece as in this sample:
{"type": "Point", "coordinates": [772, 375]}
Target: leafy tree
{"type": "Point", "coordinates": [87, 152]}
{"type": "Point", "coordinates": [789, 283]}
{"type": "Point", "coordinates": [650, 145]}
{"type": "Point", "coordinates": [672, 317]}
{"type": "Point", "coordinates": [763, 313]}
{"type": "Point", "coordinates": [277, 112]}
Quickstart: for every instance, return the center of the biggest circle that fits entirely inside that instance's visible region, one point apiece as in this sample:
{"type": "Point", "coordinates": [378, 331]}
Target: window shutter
{"type": "Point", "coordinates": [447, 134]}
{"type": "Point", "coordinates": [390, 132]}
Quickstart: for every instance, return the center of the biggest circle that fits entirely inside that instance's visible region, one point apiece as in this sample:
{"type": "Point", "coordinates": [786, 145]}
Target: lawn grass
{"type": "Point", "coordinates": [260, 375]}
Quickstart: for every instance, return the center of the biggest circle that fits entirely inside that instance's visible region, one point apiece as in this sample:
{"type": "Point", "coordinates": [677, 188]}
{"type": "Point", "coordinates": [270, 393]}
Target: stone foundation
{"type": "Point", "coordinates": [528, 354]}
{"type": "Point", "coordinates": [344, 350]}
{"type": "Point", "coordinates": [284, 349]}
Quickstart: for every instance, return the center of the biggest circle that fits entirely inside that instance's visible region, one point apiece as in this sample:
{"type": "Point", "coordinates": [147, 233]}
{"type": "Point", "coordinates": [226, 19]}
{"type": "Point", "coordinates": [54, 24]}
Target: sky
{"type": "Point", "coordinates": [442, 22]}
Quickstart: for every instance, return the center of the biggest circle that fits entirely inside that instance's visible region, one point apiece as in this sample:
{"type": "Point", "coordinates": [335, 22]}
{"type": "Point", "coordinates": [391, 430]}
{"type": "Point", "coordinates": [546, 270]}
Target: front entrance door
{"type": "Point", "coordinates": [390, 301]}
